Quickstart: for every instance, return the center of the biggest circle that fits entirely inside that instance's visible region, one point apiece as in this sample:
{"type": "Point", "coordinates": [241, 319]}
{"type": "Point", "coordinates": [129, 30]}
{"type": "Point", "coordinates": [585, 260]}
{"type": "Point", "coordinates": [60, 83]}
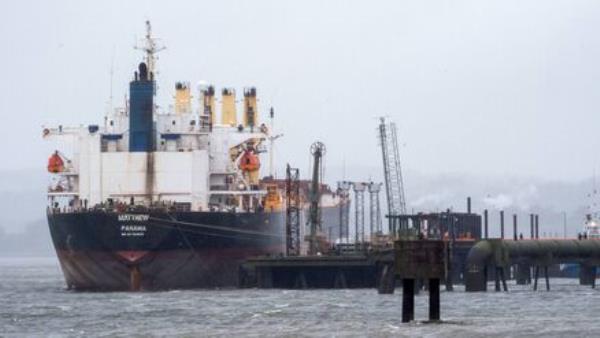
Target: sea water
{"type": "Point", "coordinates": [34, 301]}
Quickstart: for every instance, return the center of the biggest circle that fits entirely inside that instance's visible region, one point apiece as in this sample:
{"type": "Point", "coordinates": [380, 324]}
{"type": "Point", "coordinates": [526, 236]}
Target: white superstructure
{"type": "Point", "coordinates": [197, 163]}
{"type": "Point", "coordinates": [193, 163]}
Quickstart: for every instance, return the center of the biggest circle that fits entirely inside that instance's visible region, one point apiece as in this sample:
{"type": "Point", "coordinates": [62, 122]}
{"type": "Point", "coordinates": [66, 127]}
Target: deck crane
{"type": "Point", "coordinates": [292, 211]}
{"type": "Point", "coordinates": [317, 150]}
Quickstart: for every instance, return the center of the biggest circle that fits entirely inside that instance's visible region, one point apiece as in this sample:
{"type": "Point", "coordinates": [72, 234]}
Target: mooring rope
{"type": "Point", "coordinates": [214, 227]}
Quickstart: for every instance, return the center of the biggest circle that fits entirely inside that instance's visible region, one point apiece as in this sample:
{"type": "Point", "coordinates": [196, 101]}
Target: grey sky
{"type": "Point", "coordinates": [480, 87]}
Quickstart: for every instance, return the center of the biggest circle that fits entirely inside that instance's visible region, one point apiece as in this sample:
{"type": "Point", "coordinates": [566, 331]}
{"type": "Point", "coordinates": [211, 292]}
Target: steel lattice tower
{"type": "Point", "coordinates": [394, 186]}
{"type": "Point", "coordinates": [359, 208]}
{"type": "Point", "coordinates": [375, 209]}
{"type": "Point", "coordinates": [292, 211]}
{"type": "Point", "coordinates": [344, 208]}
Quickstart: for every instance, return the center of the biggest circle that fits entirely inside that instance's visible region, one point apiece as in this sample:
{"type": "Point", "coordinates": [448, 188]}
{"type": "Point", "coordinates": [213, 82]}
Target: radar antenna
{"type": "Point", "coordinates": [151, 46]}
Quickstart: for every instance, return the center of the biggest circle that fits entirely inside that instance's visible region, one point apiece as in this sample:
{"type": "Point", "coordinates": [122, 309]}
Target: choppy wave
{"type": "Point", "coordinates": [34, 302]}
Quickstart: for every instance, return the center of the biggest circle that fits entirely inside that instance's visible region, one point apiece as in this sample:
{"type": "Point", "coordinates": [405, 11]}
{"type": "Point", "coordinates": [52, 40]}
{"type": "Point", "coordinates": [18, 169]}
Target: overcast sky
{"type": "Point", "coordinates": [477, 87]}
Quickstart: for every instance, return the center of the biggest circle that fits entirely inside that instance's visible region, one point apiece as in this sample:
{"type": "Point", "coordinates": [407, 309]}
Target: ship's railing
{"type": "Point", "coordinates": [79, 206]}
{"type": "Point", "coordinates": [63, 184]}
{"type": "Point", "coordinates": [67, 172]}
{"type": "Point", "coordinates": [61, 191]}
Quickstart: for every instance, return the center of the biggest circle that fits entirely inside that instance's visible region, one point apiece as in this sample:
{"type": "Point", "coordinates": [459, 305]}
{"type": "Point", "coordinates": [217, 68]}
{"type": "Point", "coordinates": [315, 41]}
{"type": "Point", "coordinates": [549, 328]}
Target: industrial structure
{"type": "Point", "coordinates": [317, 150]}
{"type": "Point", "coordinates": [394, 185]}
{"type": "Point", "coordinates": [292, 211]}
{"type": "Point", "coordinates": [374, 210]}
{"type": "Point", "coordinates": [497, 256]}
{"type": "Point", "coordinates": [344, 218]}
{"type": "Point", "coordinates": [359, 211]}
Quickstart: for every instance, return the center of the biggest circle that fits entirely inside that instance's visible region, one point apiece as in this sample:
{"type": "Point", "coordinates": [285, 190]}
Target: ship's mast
{"type": "Point", "coordinates": [150, 46]}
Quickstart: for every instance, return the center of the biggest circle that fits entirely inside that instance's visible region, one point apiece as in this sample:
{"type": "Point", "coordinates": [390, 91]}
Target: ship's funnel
{"type": "Point", "coordinates": [250, 111]}
{"type": "Point", "coordinates": [228, 111]}
{"type": "Point", "coordinates": [183, 98]}
{"type": "Point", "coordinates": [143, 69]}
{"type": "Point", "coordinates": [141, 108]}
{"type": "Point", "coordinates": [207, 103]}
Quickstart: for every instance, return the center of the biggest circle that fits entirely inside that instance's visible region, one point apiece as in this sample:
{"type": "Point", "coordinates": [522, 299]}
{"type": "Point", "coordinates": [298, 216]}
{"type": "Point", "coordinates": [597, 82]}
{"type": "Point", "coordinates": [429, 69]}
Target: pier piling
{"type": "Point", "coordinates": [587, 274]}
{"type": "Point", "coordinates": [522, 274]}
{"type": "Point", "coordinates": [497, 279]}
{"type": "Point", "coordinates": [408, 300]}
{"type": "Point", "coordinates": [434, 299]}
{"type": "Point", "coordinates": [420, 260]}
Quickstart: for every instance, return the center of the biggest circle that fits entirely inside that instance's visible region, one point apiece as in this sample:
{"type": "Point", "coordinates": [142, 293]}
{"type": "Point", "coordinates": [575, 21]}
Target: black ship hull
{"type": "Point", "coordinates": [159, 250]}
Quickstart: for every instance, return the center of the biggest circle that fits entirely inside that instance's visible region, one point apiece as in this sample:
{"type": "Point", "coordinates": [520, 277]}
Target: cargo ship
{"type": "Point", "coordinates": [155, 199]}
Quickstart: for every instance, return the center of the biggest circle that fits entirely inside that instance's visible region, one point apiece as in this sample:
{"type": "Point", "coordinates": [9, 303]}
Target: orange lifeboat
{"type": "Point", "coordinates": [56, 163]}
{"type": "Point", "coordinates": [249, 161]}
